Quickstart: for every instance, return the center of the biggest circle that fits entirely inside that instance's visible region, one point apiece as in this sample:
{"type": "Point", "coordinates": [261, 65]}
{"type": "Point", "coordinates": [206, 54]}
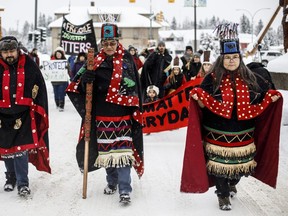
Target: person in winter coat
{"type": "Point", "coordinates": [152, 94]}
{"type": "Point", "coordinates": [138, 62]}
{"type": "Point", "coordinates": [71, 62]}
{"type": "Point", "coordinates": [155, 69]}
{"type": "Point", "coordinates": [23, 116]}
{"type": "Point", "coordinates": [176, 77]}
{"type": "Point", "coordinates": [59, 87]}
{"type": "Point", "coordinates": [261, 72]}
{"type": "Point", "coordinates": [34, 56]}
{"type": "Point", "coordinates": [116, 131]}
{"type": "Point", "coordinates": [232, 114]}
{"type": "Point", "coordinates": [144, 54]}
{"type": "Point", "coordinates": [80, 60]}
{"type": "Point", "coordinates": [186, 59]}
{"type": "Point", "coordinates": [193, 67]}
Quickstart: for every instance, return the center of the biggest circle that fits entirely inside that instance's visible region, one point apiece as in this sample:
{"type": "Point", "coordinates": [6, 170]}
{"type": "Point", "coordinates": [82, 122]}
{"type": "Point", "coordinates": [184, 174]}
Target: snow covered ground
{"type": "Point", "coordinates": [156, 193]}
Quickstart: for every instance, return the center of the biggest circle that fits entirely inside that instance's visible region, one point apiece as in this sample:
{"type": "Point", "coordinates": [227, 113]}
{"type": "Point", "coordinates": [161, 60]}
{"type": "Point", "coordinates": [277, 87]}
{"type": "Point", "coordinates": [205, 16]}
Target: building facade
{"type": "Point", "coordinates": [136, 25]}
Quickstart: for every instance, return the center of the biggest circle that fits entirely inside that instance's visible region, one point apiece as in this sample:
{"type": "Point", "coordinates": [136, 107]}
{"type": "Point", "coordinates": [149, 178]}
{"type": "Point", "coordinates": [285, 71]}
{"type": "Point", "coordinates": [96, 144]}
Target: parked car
{"type": "Point", "coordinates": [267, 56]}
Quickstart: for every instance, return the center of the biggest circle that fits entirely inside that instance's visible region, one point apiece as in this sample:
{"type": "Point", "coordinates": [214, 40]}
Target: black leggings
{"type": "Point", "coordinates": [222, 185]}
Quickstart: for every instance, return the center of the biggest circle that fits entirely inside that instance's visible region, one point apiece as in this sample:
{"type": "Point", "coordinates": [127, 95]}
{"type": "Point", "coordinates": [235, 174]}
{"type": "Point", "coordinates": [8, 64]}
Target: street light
{"type": "Point", "coordinates": [252, 17]}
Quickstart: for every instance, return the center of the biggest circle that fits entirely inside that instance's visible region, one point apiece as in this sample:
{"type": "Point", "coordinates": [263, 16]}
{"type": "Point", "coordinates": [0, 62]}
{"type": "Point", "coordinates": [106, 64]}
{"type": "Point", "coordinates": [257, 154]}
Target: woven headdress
{"type": "Point", "coordinates": [109, 29]}
{"type": "Point", "coordinates": [228, 36]}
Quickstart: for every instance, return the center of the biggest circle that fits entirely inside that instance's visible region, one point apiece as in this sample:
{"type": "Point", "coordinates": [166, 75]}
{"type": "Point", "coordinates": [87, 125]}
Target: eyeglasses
{"type": "Point", "coordinates": [107, 43]}
{"type": "Point", "coordinates": [231, 58]}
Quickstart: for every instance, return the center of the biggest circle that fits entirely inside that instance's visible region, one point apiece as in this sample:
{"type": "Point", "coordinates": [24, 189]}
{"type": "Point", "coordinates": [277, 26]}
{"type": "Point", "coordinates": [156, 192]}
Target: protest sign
{"type": "Point", "coordinates": [55, 70]}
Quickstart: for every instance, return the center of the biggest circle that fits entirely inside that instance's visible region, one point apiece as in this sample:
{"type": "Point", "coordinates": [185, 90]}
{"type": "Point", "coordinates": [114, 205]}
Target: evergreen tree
{"type": "Point", "coordinates": [174, 24]}
{"type": "Point", "coordinates": [245, 25]}
{"type": "Point", "coordinates": [49, 20]}
{"type": "Point", "coordinates": [213, 22]}
{"type": "Point", "coordinates": [258, 27]}
{"type": "Point", "coordinates": [41, 20]}
{"type": "Point", "coordinates": [25, 32]}
{"type": "Point", "coordinates": [269, 39]}
{"type": "Point", "coordinates": [280, 35]}
{"type": "Point", "coordinates": [201, 24]}
{"type": "Point", "coordinates": [187, 23]}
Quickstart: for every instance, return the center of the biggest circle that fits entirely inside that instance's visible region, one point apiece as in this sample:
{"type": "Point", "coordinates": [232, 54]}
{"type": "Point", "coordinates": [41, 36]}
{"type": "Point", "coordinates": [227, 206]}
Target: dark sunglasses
{"type": "Point", "coordinates": [107, 43]}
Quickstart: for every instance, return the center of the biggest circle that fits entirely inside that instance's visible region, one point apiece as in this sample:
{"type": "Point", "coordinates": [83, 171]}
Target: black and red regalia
{"type": "Point", "coordinates": [24, 112]}
{"type": "Point", "coordinates": [116, 126]}
{"type": "Point", "coordinates": [236, 134]}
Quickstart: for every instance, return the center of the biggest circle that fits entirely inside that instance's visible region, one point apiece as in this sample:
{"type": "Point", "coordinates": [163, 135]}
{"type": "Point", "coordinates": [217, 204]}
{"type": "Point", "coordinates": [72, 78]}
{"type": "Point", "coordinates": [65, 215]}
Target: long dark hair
{"type": "Point", "coordinates": [244, 72]}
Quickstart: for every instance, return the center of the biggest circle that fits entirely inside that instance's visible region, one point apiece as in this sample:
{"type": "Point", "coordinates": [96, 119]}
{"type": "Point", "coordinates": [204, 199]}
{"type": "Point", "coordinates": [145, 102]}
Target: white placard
{"type": "Point", "coordinates": [55, 70]}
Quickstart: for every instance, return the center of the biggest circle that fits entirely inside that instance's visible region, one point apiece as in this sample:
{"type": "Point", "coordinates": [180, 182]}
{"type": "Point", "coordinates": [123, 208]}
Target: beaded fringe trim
{"type": "Point", "coordinates": [115, 160]}
{"type": "Point", "coordinates": [230, 152]}
{"type": "Point", "coordinates": [229, 170]}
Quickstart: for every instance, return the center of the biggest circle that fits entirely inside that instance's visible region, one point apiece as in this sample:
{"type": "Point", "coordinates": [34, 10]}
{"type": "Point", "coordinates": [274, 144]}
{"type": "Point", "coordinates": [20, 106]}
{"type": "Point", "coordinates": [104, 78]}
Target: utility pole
{"type": "Point", "coordinates": [35, 23]}
{"type": "Point", "coordinates": [1, 9]}
{"type": "Point", "coordinates": [151, 17]}
{"type": "Point", "coordinates": [195, 27]}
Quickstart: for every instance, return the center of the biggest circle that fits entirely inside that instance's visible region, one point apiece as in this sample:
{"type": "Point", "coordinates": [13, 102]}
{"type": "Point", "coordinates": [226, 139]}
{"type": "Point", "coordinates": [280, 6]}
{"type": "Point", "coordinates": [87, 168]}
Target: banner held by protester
{"type": "Point", "coordinates": [170, 112]}
{"type": "Point", "coordinates": [77, 38]}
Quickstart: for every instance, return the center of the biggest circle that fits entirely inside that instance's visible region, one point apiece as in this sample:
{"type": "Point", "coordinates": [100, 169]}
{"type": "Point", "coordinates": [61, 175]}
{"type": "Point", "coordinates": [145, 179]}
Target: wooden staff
{"type": "Point", "coordinates": [252, 52]}
{"type": "Point", "coordinates": [87, 123]}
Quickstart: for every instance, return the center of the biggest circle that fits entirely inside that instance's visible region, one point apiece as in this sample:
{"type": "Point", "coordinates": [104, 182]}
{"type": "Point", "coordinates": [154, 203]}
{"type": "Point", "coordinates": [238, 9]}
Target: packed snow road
{"type": "Point", "coordinates": [156, 193]}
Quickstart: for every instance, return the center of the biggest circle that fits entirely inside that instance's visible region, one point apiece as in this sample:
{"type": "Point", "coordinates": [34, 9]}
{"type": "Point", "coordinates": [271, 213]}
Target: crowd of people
{"type": "Point", "coordinates": [227, 112]}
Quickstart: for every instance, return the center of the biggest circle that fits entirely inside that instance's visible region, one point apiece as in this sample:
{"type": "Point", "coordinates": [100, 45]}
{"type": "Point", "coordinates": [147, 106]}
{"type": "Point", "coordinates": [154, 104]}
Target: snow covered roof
{"type": "Point", "coordinates": [76, 15]}
{"type": "Point", "coordinates": [188, 34]}
{"type": "Point", "coordinates": [129, 17]}
{"type": "Point", "coordinates": [117, 10]}
{"type": "Point", "coordinates": [185, 33]}
{"type": "Point", "coordinates": [246, 38]}
{"type": "Point", "coordinates": [279, 64]}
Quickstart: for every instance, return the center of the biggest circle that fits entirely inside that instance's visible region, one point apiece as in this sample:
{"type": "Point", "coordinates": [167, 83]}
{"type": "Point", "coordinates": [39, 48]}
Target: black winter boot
{"type": "Point", "coordinates": [57, 103]}
{"type": "Point", "coordinates": [24, 191]}
{"type": "Point", "coordinates": [224, 203]}
{"type": "Point", "coordinates": [10, 182]}
{"type": "Point", "coordinates": [61, 106]}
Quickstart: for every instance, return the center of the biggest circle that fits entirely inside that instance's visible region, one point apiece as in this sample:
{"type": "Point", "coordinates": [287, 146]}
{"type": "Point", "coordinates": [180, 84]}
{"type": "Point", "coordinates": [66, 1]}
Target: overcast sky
{"type": "Point", "coordinates": [16, 12]}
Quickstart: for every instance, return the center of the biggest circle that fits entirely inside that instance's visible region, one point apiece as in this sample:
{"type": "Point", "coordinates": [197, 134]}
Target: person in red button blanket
{"type": "Point", "coordinates": [116, 130]}
{"type": "Point", "coordinates": [23, 116]}
{"type": "Point", "coordinates": [234, 126]}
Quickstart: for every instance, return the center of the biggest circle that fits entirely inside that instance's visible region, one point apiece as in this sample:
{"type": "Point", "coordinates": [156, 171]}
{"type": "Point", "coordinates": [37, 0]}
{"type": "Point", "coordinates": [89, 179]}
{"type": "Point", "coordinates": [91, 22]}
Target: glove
{"type": "Point", "coordinates": [88, 76]}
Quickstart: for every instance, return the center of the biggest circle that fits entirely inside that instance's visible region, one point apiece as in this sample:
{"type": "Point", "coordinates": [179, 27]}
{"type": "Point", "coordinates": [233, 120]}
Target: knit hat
{"type": "Point", "coordinates": [196, 54]}
{"type": "Point", "coordinates": [109, 31]}
{"type": "Point", "coordinates": [153, 87]}
{"type": "Point", "coordinates": [161, 43]}
{"type": "Point", "coordinates": [8, 43]}
{"type": "Point", "coordinates": [228, 35]}
{"type": "Point", "coordinates": [189, 48]}
{"type": "Point", "coordinates": [59, 48]}
{"type": "Point", "coordinates": [81, 54]}
{"type": "Point", "coordinates": [131, 47]}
